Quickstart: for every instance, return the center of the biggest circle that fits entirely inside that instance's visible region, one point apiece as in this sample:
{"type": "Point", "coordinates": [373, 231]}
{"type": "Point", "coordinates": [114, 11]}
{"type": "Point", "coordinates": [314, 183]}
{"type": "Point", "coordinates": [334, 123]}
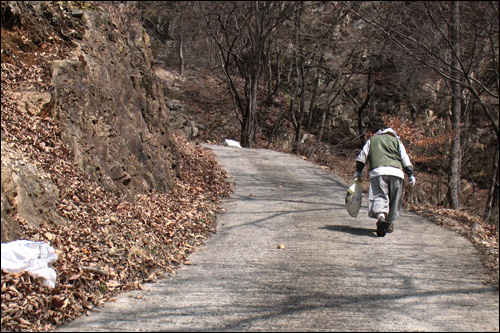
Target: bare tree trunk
{"type": "Point", "coordinates": [312, 105]}
{"type": "Point", "coordinates": [495, 179]}
{"type": "Point", "coordinates": [299, 121]}
{"type": "Point", "coordinates": [181, 53]}
{"type": "Point", "coordinates": [455, 158]}
{"type": "Point", "coordinates": [249, 116]}
{"type": "Point", "coordinates": [276, 125]}
{"type": "Point", "coordinates": [299, 66]}
{"type": "Point", "coordinates": [292, 105]}
{"type": "Point", "coordinates": [181, 42]}
{"type": "Point", "coordinates": [365, 104]}
{"type": "Point", "coordinates": [322, 124]}
{"type": "Point", "coordinates": [278, 72]}
{"type": "Point", "coordinates": [269, 79]}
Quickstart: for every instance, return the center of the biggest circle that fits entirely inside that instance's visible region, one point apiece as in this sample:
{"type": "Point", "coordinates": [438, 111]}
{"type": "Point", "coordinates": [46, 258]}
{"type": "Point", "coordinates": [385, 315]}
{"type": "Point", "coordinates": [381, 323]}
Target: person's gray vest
{"type": "Point", "coordinates": [384, 151]}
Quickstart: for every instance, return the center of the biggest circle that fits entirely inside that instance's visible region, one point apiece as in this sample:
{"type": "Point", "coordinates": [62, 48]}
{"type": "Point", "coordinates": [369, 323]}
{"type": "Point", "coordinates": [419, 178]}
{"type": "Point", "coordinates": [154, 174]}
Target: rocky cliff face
{"type": "Point", "coordinates": [101, 94]}
{"type": "Point", "coordinates": [112, 111]}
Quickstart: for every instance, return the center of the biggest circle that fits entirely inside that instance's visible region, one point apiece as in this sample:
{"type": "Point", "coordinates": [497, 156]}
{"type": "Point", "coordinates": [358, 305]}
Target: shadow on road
{"type": "Point", "coordinates": [352, 230]}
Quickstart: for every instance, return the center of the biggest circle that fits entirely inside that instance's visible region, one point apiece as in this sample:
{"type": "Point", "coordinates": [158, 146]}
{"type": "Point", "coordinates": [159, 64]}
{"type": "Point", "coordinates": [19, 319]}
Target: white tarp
{"type": "Point", "coordinates": [34, 257]}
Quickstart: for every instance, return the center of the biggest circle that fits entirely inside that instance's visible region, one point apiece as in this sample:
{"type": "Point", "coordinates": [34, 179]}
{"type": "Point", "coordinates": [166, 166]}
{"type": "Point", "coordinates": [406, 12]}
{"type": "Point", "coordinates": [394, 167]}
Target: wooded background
{"type": "Point", "coordinates": [341, 70]}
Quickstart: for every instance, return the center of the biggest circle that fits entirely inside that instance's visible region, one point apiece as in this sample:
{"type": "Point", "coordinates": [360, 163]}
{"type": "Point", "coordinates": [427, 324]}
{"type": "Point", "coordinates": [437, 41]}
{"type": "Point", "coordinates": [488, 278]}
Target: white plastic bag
{"type": "Point", "coordinates": [232, 143]}
{"type": "Point", "coordinates": [31, 256]}
{"type": "Point", "coordinates": [353, 198]}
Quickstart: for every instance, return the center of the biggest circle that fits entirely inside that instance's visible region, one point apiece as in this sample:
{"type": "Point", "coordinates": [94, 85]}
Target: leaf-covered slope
{"type": "Point", "coordinates": [105, 244]}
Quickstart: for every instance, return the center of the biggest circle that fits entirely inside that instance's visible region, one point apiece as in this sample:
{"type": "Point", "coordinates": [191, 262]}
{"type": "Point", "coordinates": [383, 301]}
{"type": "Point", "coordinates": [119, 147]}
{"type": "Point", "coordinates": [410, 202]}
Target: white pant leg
{"type": "Point", "coordinates": [385, 196]}
{"type": "Point", "coordinates": [378, 197]}
{"type": "Point", "coordinates": [395, 198]}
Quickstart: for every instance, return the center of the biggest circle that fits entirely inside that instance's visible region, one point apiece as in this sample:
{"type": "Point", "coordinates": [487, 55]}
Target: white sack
{"type": "Point", "coordinates": [31, 256]}
{"type": "Point", "coordinates": [353, 198]}
{"type": "Point", "coordinates": [232, 143]}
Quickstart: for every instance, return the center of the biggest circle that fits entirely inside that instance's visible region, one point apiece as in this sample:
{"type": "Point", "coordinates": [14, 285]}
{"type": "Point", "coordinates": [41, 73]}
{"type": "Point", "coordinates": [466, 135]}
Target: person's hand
{"type": "Point", "coordinates": [357, 175]}
{"type": "Point", "coordinates": [412, 180]}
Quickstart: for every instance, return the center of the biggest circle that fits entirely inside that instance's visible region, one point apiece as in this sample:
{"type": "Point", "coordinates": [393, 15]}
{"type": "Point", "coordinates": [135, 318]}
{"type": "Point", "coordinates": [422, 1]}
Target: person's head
{"type": "Point", "coordinates": [389, 131]}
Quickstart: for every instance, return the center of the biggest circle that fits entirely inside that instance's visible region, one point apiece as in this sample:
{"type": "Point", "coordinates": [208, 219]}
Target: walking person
{"type": "Point", "coordinates": [388, 159]}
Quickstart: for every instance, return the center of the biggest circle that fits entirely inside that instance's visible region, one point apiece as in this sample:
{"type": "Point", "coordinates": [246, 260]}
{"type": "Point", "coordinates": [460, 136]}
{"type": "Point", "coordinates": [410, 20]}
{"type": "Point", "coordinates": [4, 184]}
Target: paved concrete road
{"type": "Point", "coordinates": [333, 273]}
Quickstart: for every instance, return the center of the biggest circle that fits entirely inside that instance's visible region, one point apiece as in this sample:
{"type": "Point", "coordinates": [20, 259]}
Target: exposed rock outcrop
{"type": "Point", "coordinates": [97, 86]}
{"type": "Point", "coordinates": [112, 111]}
{"type": "Point", "coordinates": [27, 191]}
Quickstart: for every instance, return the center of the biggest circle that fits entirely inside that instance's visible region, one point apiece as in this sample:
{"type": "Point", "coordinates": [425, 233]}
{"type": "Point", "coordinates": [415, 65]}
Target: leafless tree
{"type": "Point", "coordinates": [242, 31]}
{"type": "Point", "coordinates": [459, 42]}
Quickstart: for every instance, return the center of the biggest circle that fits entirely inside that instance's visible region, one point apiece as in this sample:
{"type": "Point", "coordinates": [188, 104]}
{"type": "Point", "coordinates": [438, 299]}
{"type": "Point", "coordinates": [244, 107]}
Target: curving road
{"type": "Point", "coordinates": [288, 257]}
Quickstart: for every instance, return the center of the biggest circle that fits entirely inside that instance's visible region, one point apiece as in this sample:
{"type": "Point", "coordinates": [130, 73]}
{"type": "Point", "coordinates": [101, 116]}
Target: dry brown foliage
{"type": "Point", "coordinates": [109, 245]}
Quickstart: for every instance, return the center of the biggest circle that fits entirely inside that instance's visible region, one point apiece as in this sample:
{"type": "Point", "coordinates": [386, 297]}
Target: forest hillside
{"type": "Point", "coordinates": [105, 104]}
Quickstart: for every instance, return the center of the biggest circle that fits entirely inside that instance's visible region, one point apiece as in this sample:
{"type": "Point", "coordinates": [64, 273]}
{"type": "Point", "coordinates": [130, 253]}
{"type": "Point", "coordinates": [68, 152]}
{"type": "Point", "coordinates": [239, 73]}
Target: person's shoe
{"type": "Point", "coordinates": [381, 229]}
{"type": "Point", "coordinates": [381, 226]}
{"type": "Point", "coordinates": [390, 227]}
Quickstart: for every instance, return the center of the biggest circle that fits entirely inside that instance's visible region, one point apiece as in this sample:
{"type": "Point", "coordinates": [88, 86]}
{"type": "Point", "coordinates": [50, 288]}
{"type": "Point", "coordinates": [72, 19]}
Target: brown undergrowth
{"type": "Point", "coordinates": [111, 245]}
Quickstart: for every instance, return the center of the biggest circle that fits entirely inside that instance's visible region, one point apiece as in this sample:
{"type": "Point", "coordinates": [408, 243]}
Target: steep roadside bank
{"type": "Point", "coordinates": [89, 165]}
